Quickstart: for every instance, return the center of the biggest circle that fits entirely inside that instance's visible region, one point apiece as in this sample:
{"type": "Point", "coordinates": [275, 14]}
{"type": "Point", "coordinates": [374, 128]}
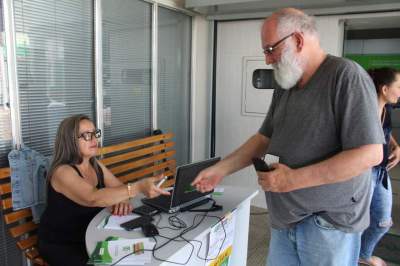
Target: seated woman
{"type": "Point", "coordinates": [79, 186]}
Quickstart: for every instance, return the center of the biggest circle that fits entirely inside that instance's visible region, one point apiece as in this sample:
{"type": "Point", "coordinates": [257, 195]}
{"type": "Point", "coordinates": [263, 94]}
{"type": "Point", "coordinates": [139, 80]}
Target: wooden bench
{"type": "Point", "coordinates": [129, 161]}
{"type": "Point", "coordinates": [136, 159]}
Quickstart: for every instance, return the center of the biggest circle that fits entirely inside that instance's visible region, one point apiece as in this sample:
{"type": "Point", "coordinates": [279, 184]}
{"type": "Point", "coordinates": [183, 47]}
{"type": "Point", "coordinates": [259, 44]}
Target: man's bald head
{"type": "Point", "coordinates": [290, 42]}
{"type": "Point", "coordinates": [288, 20]}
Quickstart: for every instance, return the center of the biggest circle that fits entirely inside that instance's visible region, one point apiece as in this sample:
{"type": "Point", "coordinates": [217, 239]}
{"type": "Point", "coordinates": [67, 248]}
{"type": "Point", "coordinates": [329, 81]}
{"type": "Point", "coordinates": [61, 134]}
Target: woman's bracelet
{"type": "Point", "coordinates": [130, 190]}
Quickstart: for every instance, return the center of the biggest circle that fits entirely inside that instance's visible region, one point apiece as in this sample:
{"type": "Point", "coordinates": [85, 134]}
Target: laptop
{"type": "Point", "coordinates": [183, 194]}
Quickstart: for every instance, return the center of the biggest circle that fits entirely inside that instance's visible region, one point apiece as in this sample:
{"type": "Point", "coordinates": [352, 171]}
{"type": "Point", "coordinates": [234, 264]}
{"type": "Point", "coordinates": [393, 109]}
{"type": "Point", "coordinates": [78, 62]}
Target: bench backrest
{"type": "Point", "coordinates": [129, 161]}
{"type": "Point", "coordinates": [20, 222]}
{"type": "Point", "coordinates": [140, 158]}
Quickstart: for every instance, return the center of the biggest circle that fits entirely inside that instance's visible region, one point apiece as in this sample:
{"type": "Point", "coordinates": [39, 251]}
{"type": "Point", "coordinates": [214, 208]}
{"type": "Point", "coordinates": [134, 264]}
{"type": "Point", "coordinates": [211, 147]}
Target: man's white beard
{"type": "Point", "coordinates": [288, 70]}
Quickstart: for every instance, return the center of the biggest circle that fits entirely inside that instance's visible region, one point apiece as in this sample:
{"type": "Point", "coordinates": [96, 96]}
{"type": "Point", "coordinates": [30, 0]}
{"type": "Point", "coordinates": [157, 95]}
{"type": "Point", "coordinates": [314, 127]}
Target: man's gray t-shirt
{"type": "Point", "coordinates": [337, 110]}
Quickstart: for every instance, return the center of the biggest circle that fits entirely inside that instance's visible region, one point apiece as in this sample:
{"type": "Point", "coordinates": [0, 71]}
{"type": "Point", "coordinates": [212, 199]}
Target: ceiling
{"type": "Point", "coordinates": [242, 9]}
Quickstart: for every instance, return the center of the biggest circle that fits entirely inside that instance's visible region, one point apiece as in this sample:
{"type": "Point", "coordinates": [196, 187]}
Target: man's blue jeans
{"type": "Point", "coordinates": [380, 212]}
{"type": "Point", "coordinates": [313, 242]}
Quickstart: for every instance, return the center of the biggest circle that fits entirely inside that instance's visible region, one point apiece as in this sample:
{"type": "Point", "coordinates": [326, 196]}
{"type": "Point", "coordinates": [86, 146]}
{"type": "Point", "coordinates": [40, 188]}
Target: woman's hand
{"type": "Point", "coordinates": [149, 188]}
{"type": "Point", "coordinates": [394, 157]}
{"type": "Point", "coordinates": [122, 208]}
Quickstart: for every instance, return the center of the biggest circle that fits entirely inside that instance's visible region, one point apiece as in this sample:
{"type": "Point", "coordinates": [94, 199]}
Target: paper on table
{"type": "Point", "coordinates": [218, 191]}
{"type": "Point", "coordinates": [113, 222]}
{"type": "Point", "coordinates": [110, 251]}
{"type": "Point", "coordinates": [221, 240]}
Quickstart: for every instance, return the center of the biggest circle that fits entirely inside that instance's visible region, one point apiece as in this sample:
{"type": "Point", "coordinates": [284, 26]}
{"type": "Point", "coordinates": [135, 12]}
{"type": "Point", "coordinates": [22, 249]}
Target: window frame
{"type": "Point", "coordinates": [98, 67]}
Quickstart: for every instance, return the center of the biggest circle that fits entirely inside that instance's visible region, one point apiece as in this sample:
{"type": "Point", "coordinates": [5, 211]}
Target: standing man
{"type": "Point", "coordinates": [323, 125]}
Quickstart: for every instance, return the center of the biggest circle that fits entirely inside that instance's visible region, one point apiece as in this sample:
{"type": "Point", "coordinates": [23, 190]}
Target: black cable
{"type": "Point", "coordinates": [201, 243]}
{"type": "Point", "coordinates": [163, 260]}
{"type": "Point", "coordinates": [193, 226]}
{"type": "Point", "coordinates": [180, 223]}
{"type": "Point", "coordinates": [159, 220]}
{"type": "Point", "coordinates": [174, 221]}
{"type": "Point", "coordinates": [155, 248]}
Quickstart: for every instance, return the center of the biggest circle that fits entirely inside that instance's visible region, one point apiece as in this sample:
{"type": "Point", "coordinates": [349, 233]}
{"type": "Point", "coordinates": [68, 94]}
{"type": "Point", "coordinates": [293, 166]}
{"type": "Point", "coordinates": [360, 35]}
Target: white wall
{"type": "Point", "coordinates": [201, 87]}
{"type": "Point", "coordinates": [331, 29]}
{"type": "Point", "coordinates": [237, 40]}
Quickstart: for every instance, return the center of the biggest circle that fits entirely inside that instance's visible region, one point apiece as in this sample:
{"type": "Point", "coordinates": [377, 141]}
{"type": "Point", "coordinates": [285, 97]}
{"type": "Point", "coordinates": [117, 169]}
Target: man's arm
{"type": "Point", "coordinates": [255, 146]}
{"type": "Point", "coordinates": [240, 158]}
{"type": "Point", "coordinates": [341, 167]}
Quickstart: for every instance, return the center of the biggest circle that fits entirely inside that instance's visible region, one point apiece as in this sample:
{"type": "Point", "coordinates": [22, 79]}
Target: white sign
{"type": "Point", "coordinates": [221, 240]}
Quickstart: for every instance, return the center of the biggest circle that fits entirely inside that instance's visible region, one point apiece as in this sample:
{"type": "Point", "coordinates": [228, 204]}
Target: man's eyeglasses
{"type": "Point", "coordinates": [269, 50]}
{"type": "Point", "coordinates": [88, 136]}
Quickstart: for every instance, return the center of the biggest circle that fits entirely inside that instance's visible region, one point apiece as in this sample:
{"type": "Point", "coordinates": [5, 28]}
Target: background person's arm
{"type": "Point", "coordinates": [65, 180]}
{"type": "Point", "coordinates": [341, 167]}
{"type": "Point", "coordinates": [240, 158]}
{"type": "Point", "coordinates": [394, 156]}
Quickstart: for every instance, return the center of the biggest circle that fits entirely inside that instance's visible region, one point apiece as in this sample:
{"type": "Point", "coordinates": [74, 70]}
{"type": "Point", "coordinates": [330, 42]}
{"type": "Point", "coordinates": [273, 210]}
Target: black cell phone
{"type": "Point", "coordinates": [261, 165]}
{"type": "Point", "coordinates": [145, 210]}
{"type": "Point", "coordinates": [137, 222]}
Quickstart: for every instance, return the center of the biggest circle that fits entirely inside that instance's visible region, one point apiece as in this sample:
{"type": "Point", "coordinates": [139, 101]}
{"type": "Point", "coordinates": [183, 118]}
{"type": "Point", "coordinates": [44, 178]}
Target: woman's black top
{"type": "Point", "coordinates": [65, 221]}
{"type": "Point", "coordinates": [387, 130]}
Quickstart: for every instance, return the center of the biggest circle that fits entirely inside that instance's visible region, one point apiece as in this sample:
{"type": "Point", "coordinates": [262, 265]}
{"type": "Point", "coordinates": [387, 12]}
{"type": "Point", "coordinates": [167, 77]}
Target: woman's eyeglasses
{"type": "Point", "coordinates": [88, 136]}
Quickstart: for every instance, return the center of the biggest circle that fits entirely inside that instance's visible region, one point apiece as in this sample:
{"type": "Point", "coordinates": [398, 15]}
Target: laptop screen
{"type": "Point", "coordinates": [183, 191]}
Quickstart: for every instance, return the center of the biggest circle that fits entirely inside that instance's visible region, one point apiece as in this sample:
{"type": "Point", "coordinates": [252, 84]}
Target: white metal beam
{"type": "Point", "coordinates": [154, 66]}
{"type": "Point", "coordinates": [12, 72]}
{"type": "Point", "coordinates": [99, 69]}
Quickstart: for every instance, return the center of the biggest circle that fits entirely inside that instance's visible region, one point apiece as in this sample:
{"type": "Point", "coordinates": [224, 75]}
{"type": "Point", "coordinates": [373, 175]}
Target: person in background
{"type": "Point", "coordinates": [79, 187]}
{"type": "Point", "coordinates": [387, 84]}
{"type": "Point", "coordinates": [321, 127]}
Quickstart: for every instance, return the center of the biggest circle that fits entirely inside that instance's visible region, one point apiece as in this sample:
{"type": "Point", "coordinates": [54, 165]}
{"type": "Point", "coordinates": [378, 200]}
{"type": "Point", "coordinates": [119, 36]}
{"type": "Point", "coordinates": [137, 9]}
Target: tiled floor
{"type": "Point", "coordinates": [259, 235]}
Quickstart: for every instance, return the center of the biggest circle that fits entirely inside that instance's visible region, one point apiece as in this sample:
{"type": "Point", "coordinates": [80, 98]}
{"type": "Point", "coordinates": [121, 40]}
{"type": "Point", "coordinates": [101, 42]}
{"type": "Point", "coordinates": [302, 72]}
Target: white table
{"type": "Point", "coordinates": [232, 198]}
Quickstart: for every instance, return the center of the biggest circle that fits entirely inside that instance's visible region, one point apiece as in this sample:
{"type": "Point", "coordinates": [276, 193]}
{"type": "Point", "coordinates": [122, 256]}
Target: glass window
{"type": "Point", "coordinates": [174, 49]}
{"type": "Point", "coordinates": [126, 70]}
{"type": "Point", "coordinates": [5, 117]}
{"type": "Point", "coordinates": [9, 253]}
{"type": "Point", "coordinates": [55, 66]}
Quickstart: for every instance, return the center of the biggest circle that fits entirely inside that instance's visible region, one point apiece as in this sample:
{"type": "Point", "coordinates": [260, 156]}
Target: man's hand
{"type": "Point", "coordinates": [394, 157]}
{"type": "Point", "coordinates": [208, 179]}
{"type": "Point", "coordinates": [281, 179]}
